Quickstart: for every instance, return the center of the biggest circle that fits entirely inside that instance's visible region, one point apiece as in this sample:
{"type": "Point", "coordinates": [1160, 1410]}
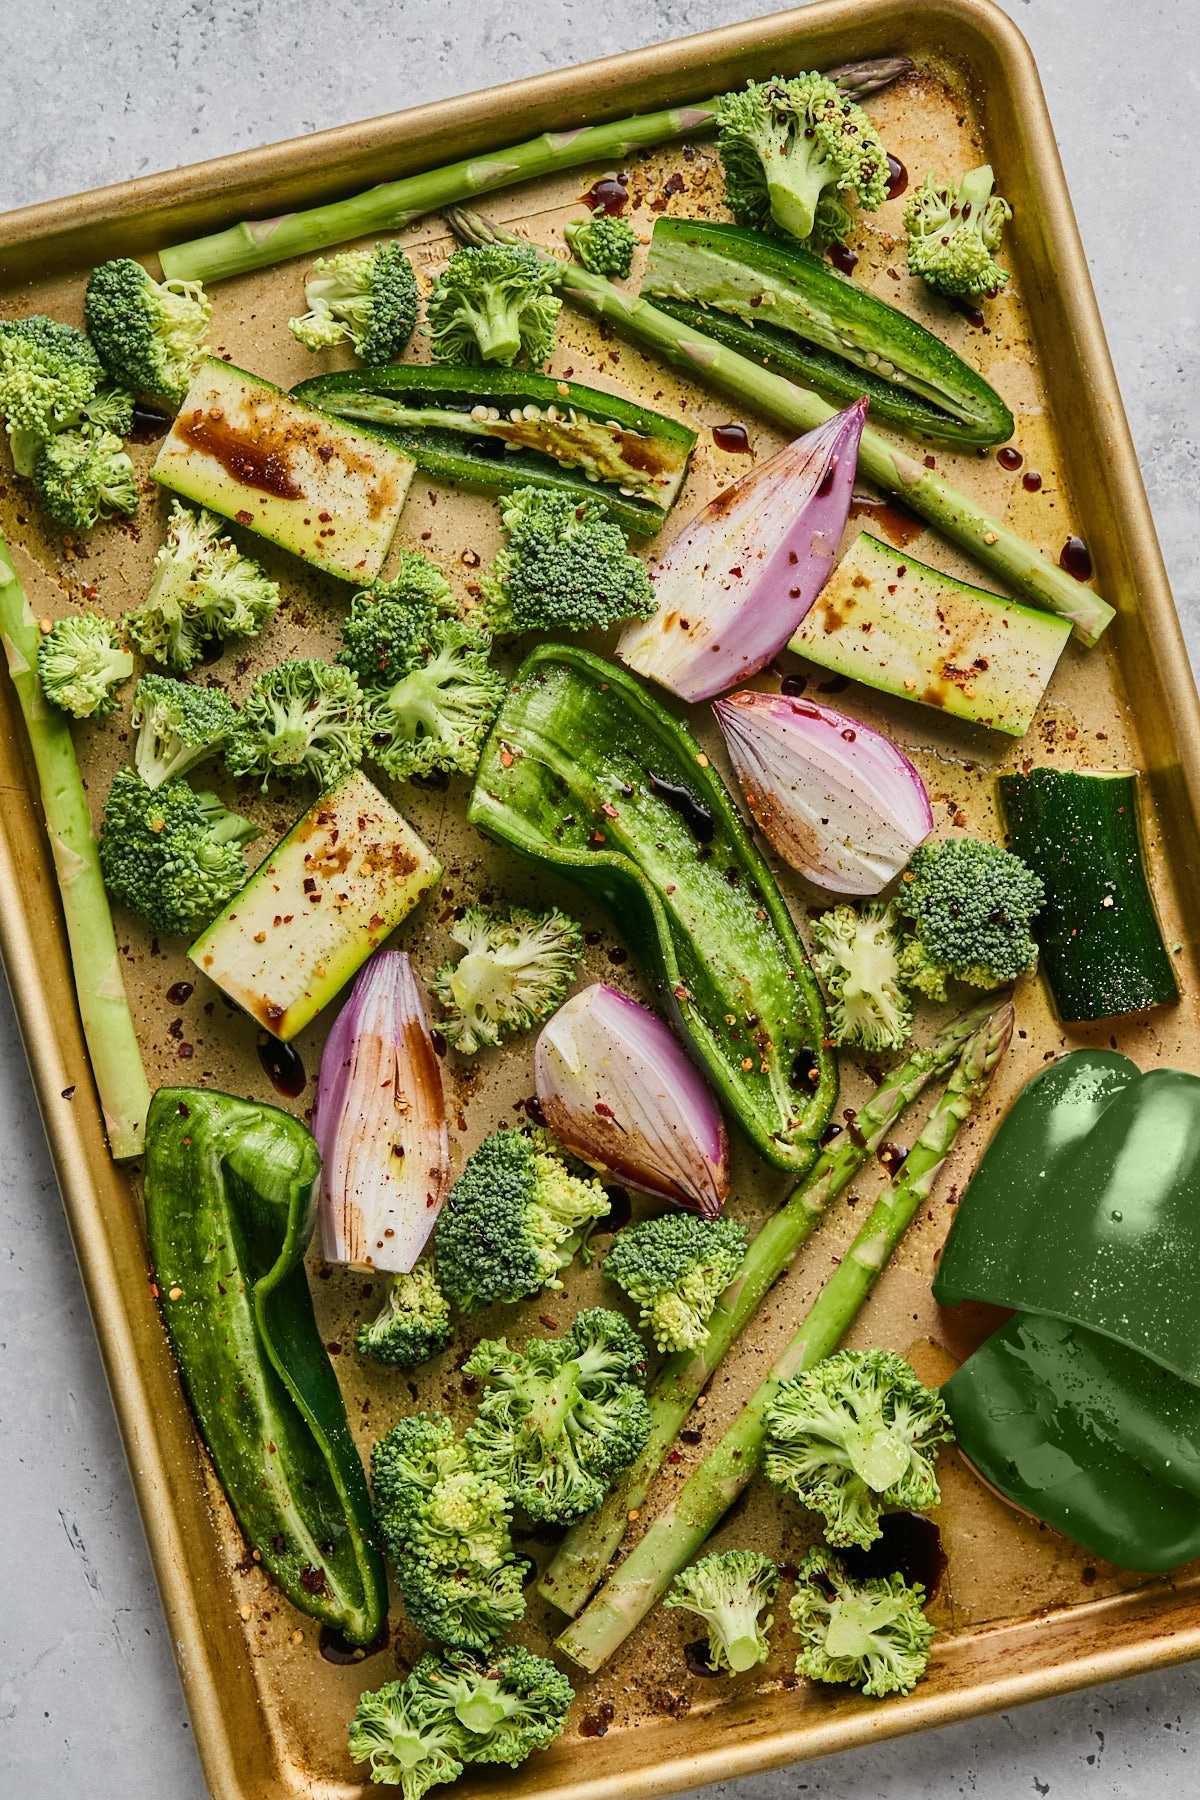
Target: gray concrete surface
{"type": "Point", "coordinates": [89, 1702]}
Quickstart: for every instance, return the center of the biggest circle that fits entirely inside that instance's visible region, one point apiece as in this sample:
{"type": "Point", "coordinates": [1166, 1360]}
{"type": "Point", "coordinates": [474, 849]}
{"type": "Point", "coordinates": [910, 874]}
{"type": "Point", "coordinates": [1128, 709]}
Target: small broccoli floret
{"type": "Point", "coordinates": [565, 567]}
{"type": "Point", "coordinates": [178, 727]}
{"type": "Point", "coordinates": [51, 380]}
{"type": "Point", "coordinates": [413, 1324]}
{"type": "Point", "coordinates": [969, 906]}
{"type": "Point", "coordinates": [81, 664]}
{"type": "Point", "coordinates": [787, 145]}
{"type": "Point", "coordinates": [170, 854]}
{"type": "Point", "coordinates": [676, 1267]}
{"type": "Point", "coordinates": [149, 334]}
{"type": "Point", "coordinates": [408, 1734]}
{"type": "Point", "coordinates": [856, 1437]}
{"type": "Point", "coordinates": [871, 1634]}
{"type": "Point", "coordinates": [81, 477]}
{"type": "Point", "coordinates": [202, 588]}
{"type": "Point", "coordinates": [508, 1707]}
{"type": "Point", "coordinates": [494, 303]}
{"type": "Point", "coordinates": [563, 1418]}
{"type": "Point", "coordinates": [414, 580]}
{"type": "Point", "coordinates": [953, 235]}
{"type": "Point", "coordinates": [366, 297]}
{"type": "Point", "coordinates": [730, 1589]}
{"type": "Point", "coordinates": [514, 1218]}
{"type": "Point", "coordinates": [302, 721]}
{"type": "Point", "coordinates": [603, 244]}
{"type": "Point", "coordinates": [857, 960]}
{"type": "Point", "coordinates": [516, 968]}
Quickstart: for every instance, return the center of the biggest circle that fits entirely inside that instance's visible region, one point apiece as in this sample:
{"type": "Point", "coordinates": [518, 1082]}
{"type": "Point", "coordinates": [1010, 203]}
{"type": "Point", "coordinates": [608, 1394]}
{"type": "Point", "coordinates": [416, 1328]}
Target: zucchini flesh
{"type": "Point", "coordinates": [784, 308]}
{"type": "Point", "coordinates": [1102, 947]}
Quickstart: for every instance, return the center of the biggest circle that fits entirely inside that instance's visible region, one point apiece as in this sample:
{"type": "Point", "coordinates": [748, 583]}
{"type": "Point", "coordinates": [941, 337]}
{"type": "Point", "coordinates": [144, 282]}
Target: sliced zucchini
{"type": "Point", "coordinates": [322, 490]}
{"type": "Point", "coordinates": [895, 624]}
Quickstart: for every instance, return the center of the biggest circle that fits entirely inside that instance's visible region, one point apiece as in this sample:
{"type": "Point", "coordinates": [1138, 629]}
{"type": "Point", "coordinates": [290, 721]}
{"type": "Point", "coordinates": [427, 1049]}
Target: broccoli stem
{"type": "Point", "coordinates": [258, 244]}
{"type": "Point", "coordinates": [679, 1532]}
{"type": "Point", "coordinates": [103, 1008]}
{"type": "Point", "coordinates": [588, 1547]}
{"type": "Point", "coordinates": [798, 409]}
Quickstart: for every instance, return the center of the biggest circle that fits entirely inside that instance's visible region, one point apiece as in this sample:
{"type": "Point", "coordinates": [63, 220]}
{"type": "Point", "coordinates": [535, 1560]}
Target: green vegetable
{"type": "Point", "coordinates": [602, 244]}
{"type": "Point", "coordinates": [496, 429]}
{"type": "Point", "coordinates": [588, 774]}
{"type": "Point", "coordinates": [178, 727]}
{"type": "Point", "coordinates": [230, 1208]}
{"type": "Point", "coordinates": [407, 1733]}
{"type": "Point", "coordinates": [494, 304]}
{"type": "Point", "coordinates": [560, 1420]}
{"type": "Point", "coordinates": [675, 1268]}
{"type": "Point", "coordinates": [413, 1324]}
{"type": "Point", "coordinates": [970, 907]}
{"type": "Point", "coordinates": [1102, 946]}
{"type": "Point", "coordinates": [730, 1589]}
{"type": "Point", "coordinates": [515, 1217]}
{"type": "Point", "coordinates": [786, 144]}
{"type": "Point", "coordinates": [515, 971]}
{"type": "Point", "coordinates": [149, 334]}
{"type": "Point", "coordinates": [80, 664]}
{"type": "Point", "coordinates": [81, 477]}
{"type": "Point", "coordinates": [857, 959]}
{"type": "Point", "coordinates": [303, 720]}
{"type": "Point", "coordinates": [368, 298]}
{"type": "Point", "coordinates": [854, 1437]}
{"type": "Point", "coordinates": [51, 380]}
{"type": "Point", "coordinates": [170, 854]}
{"type": "Point", "coordinates": [564, 566]}
{"type": "Point", "coordinates": [108, 1031]}
{"type": "Point", "coordinates": [870, 1633]}
{"type": "Point", "coordinates": [953, 235]}
{"type": "Point", "coordinates": [202, 589]}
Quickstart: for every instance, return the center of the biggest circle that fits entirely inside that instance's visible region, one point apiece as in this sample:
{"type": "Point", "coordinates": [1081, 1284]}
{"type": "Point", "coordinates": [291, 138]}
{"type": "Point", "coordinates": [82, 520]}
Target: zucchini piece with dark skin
{"type": "Point", "coordinates": [786, 309]}
{"type": "Point", "coordinates": [230, 1208]}
{"type": "Point", "coordinates": [1102, 948]}
{"type": "Point", "coordinates": [636, 459]}
{"type": "Point", "coordinates": [586, 773]}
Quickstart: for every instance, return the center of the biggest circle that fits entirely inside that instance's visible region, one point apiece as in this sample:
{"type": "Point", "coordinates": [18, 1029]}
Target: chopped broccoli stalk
{"type": "Point", "coordinates": [676, 1267]}
{"type": "Point", "coordinates": [81, 477]}
{"type": "Point", "coordinates": [494, 304]}
{"type": "Point", "coordinates": [854, 1437]}
{"type": "Point", "coordinates": [365, 297]}
{"type": "Point", "coordinates": [178, 727]}
{"type": "Point", "coordinates": [515, 970]}
{"type": "Point", "coordinates": [603, 244]}
{"type": "Point", "coordinates": [202, 588]}
{"type": "Point", "coordinates": [51, 380]}
{"type": "Point", "coordinates": [788, 145]}
{"type": "Point", "coordinates": [953, 235]}
{"type": "Point", "coordinates": [562, 1419]}
{"type": "Point", "coordinates": [170, 854]}
{"type": "Point", "coordinates": [969, 906]}
{"type": "Point", "coordinates": [149, 334]}
{"type": "Point", "coordinates": [730, 1589]}
{"type": "Point", "coordinates": [515, 1217]}
{"type": "Point", "coordinates": [413, 1324]}
{"type": "Point", "coordinates": [302, 721]}
{"type": "Point", "coordinates": [871, 1634]}
{"type": "Point", "coordinates": [564, 567]}
{"type": "Point", "coordinates": [857, 960]}
{"type": "Point", "coordinates": [81, 664]}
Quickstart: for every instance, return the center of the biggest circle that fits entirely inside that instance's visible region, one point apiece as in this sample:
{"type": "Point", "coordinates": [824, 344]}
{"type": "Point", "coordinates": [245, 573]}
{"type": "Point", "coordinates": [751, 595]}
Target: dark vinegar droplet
{"type": "Point", "coordinates": [282, 1064]}
{"type": "Point", "coordinates": [695, 1655]}
{"type": "Point", "coordinates": [804, 1069]}
{"type": "Point", "coordinates": [910, 1546]}
{"type": "Point", "coordinates": [1008, 457]}
{"type": "Point", "coordinates": [897, 177]}
{"type": "Point", "coordinates": [620, 1210]}
{"type": "Point", "coordinates": [1076, 559]}
{"type": "Point", "coordinates": [972, 314]}
{"type": "Point", "coordinates": [179, 991]}
{"type": "Point", "coordinates": [608, 195]}
{"type": "Point", "coordinates": [831, 1131]}
{"type": "Point", "coordinates": [680, 799]}
{"type": "Point", "coordinates": [147, 427]}
{"type": "Point", "coordinates": [733, 438]}
{"type": "Point", "coordinates": [843, 258]}
{"type": "Point", "coordinates": [793, 684]}
{"type": "Point", "coordinates": [1031, 481]}
{"type": "Point", "coordinates": [827, 479]}
{"type": "Point", "coordinates": [337, 1649]}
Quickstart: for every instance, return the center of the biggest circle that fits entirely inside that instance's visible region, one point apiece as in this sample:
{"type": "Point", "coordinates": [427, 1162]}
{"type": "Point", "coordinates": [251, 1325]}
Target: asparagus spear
{"type": "Point", "coordinates": [257, 244]}
{"type": "Point", "coordinates": [588, 1547]}
{"type": "Point", "coordinates": [679, 1532]}
{"type": "Point", "coordinates": [798, 409]}
{"type": "Point", "coordinates": [104, 1010]}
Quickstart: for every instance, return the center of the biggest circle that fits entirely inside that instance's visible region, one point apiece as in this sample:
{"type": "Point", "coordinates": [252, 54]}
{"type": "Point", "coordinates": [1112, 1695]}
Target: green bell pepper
{"type": "Point", "coordinates": [230, 1208]}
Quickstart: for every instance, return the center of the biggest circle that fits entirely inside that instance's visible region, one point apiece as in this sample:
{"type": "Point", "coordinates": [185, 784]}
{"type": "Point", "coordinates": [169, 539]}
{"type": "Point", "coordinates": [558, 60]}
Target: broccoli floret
{"type": "Point", "coordinates": [149, 334]}
{"type": "Point", "coordinates": [869, 1633]}
{"type": "Point", "coordinates": [81, 477]}
{"type": "Point", "coordinates": [81, 664]}
{"type": "Point", "coordinates": [785, 145]}
{"type": "Point", "coordinates": [408, 1734]}
{"type": "Point", "coordinates": [857, 960]}
{"type": "Point", "coordinates": [368, 297]}
{"type": "Point", "coordinates": [953, 235]}
{"type": "Point", "coordinates": [508, 1707]}
{"type": "Point", "coordinates": [603, 244]}
{"type": "Point", "coordinates": [51, 380]}
{"type": "Point", "coordinates": [494, 303]}
{"type": "Point", "coordinates": [730, 1589]}
{"type": "Point", "coordinates": [855, 1437]}
{"type": "Point", "coordinates": [564, 567]}
{"type": "Point", "coordinates": [170, 854]}
{"type": "Point", "coordinates": [413, 1324]}
{"type": "Point", "coordinates": [415, 580]}
{"type": "Point", "coordinates": [676, 1267]}
{"type": "Point", "coordinates": [302, 721]}
{"type": "Point", "coordinates": [514, 1218]}
{"type": "Point", "coordinates": [178, 727]}
{"type": "Point", "coordinates": [969, 906]}
{"type": "Point", "coordinates": [202, 588]}
{"type": "Point", "coordinates": [563, 1418]}
{"type": "Point", "coordinates": [515, 970]}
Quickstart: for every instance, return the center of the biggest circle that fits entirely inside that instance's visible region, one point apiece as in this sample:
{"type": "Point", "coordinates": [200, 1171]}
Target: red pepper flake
{"type": "Point", "coordinates": [610, 810]}
{"type": "Point", "coordinates": [604, 1109]}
